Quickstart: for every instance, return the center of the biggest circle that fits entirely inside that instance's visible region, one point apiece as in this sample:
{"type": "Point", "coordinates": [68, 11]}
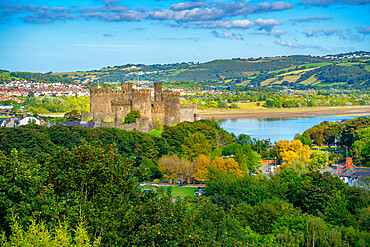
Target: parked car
{"type": "Point", "coordinates": [142, 184]}
{"type": "Point", "coordinates": [155, 185]}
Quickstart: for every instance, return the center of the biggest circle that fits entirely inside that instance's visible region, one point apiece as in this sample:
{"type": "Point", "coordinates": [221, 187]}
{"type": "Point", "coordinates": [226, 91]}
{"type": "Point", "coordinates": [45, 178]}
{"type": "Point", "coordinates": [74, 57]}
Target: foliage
{"type": "Point", "coordinates": [350, 129]}
{"type": "Point", "coordinates": [227, 166]}
{"type": "Point", "coordinates": [201, 166]}
{"type": "Point", "coordinates": [318, 160]}
{"type": "Point", "coordinates": [37, 234]}
{"type": "Point", "coordinates": [47, 77]}
{"type": "Point", "coordinates": [131, 117]}
{"type": "Point", "coordinates": [196, 144]}
{"type": "Point", "coordinates": [294, 154]}
{"type": "Point", "coordinates": [173, 167]}
{"type": "Point", "coordinates": [73, 115]}
{"type": "Point", "coordinates": [47, 104]}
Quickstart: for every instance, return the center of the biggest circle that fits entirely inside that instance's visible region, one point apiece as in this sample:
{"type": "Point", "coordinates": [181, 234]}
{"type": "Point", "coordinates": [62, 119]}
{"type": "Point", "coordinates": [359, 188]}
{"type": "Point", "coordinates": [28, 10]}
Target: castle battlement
{"type": "Point", "coordinates": [188, 105]}
{"type": "Point", "coordinates": [170, 94]}
{"type": "Point", "coordinates": [142, 91]}
{"type": "Point", "coordinates": [100, 90]}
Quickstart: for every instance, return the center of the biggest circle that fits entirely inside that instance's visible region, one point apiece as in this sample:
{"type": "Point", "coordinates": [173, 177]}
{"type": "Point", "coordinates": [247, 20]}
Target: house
{"type": "Point", "coordinates": [8, 122]}
{"type": "Point", "coordinates": [29, 119]}
{"type": "Point", "coordinates": [349, 173]}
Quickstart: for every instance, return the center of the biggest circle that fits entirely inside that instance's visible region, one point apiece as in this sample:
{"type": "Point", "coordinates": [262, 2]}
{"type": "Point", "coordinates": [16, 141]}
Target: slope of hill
{"type": "Point", "coordinates": [349, 70]}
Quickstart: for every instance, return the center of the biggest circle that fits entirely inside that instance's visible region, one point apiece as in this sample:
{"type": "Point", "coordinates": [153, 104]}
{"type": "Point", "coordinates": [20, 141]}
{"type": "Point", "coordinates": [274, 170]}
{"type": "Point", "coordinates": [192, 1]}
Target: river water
{"type": "Point", "coordinates": [275, 129]}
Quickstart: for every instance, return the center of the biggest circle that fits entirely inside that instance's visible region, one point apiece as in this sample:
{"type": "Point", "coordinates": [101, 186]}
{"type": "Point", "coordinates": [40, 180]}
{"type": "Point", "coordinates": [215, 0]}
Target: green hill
{"type": "Point", "coordinates": [349, 70]}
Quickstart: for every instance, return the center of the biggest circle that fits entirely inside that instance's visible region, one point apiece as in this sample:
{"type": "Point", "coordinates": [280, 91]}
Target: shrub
{"type": "Point", "coordinates": [132, 116]}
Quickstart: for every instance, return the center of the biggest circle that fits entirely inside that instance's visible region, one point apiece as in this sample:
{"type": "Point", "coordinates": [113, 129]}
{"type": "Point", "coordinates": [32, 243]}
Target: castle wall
{"type": "Point", "coordinates": [187, 112]}
{"type": "Point", "coordinates": [120, 109]}
{"type": "Point", "coordinates": [117, 96]}
{"type": "Point", "coordinates": [158, 111]}
{"type": "Point", "coordinates": [108, 107]}
{"type": "Point", "coordinates": [171, 107]}
{"type": "Point", "coordinates": [100, 100]}
{"type": "Point", "coordinates": [141, 100]}
{"type": "Point", "coordinates": [103, 116]}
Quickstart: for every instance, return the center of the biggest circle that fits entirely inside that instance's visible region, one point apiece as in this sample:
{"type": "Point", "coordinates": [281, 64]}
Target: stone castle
{"type": "Point", "coordinates": [108, 107]}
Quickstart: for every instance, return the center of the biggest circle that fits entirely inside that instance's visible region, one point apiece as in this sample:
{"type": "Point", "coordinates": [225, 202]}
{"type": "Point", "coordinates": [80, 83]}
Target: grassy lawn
{"type": "Point", "coordinates": [182, 192]}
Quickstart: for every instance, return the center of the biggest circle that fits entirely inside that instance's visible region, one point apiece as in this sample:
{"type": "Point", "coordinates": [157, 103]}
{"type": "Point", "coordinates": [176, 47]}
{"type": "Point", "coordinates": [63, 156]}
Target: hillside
{"type": "Point", "coordinates": [349, 71]}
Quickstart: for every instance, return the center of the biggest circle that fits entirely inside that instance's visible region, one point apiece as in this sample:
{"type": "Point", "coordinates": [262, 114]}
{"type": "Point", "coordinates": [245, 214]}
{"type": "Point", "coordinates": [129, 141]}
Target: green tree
{"type": "Point", "coordinates": [132, 116]}
{"type": "Point", "coordinates": [73, 115]}
{"type": "Point", "coordinates": [196, 144]}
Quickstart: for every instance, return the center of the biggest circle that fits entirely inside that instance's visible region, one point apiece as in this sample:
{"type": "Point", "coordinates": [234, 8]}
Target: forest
{"type": "Point", "coordinates": [75, 186]}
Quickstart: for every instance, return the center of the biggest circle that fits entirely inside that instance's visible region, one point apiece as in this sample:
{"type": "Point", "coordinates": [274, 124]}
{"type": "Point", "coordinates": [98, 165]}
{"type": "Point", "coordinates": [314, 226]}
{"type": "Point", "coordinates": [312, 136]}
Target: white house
{"type": "Point", "coordinates": [29, 119]}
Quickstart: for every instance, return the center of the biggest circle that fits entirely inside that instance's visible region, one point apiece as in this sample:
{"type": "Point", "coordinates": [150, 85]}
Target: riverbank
{"type": "Point", "coordinates": [285, 112]}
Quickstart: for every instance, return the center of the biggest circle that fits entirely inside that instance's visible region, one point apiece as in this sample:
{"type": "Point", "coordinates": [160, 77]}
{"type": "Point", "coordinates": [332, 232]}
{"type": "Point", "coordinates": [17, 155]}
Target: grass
{"type": "Point", "coordinates": [250, 106]}
{"type": "Point", "coordinates": [156, 133]}
{"type": "Point", "coordinates": [182, 192]}
{"type": "Point", "coordinates": [309, 81]}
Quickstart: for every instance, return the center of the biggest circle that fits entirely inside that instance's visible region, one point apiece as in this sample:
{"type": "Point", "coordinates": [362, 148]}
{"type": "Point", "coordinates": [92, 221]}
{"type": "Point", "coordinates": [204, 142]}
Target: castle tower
{"type": "Point", "coordinates": [141, 101]}
{"type": "Point", "coordinates": [126, 88]}
{"type": "Point", "coordinates": [100, 100]}
{"type": "Point", "coordinates": [171, 107]}
{"type": "Point", "coordinates": [157, 91]}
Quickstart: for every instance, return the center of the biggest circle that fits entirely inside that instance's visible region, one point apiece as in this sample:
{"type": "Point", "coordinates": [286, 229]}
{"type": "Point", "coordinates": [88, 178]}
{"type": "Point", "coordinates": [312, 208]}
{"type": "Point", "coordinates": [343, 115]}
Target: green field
{"type": "Point", "coordinates": [182, 192]}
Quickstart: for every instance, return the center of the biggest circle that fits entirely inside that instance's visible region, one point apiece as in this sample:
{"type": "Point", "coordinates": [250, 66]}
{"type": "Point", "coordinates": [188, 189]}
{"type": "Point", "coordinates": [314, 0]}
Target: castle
{"type": "Point", "coordinates": [108, 107]}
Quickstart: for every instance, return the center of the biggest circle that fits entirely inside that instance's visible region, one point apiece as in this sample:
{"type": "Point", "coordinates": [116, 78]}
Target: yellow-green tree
{"type": "Point", "coordinates": [173, 167]}
{"type": "Point", "coordinates": [294, 153]}
{"type": "Point", "coordinates": [201, 166]}
{"type": "Point", "coordinates": [168, 166]}
{"type": "Point", "coordinates": [227, 166]}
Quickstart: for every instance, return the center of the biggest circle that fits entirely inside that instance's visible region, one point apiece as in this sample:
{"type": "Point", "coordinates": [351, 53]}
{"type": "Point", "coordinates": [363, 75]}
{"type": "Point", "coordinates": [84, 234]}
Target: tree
{"type": "Point", "coordinates": [201, 166]}
{"type": "Point", "coordinates": [168, 165]}
{"type": "Point", "coordinates": [294, 154]}
{"type": "Point", "coordinates": [38, 234]}
{"type": "Point", "coordinates": [317, 161]}
{"type": "Point", "coordinates": [227, 166]}
{"type": "Point", "coordinates": [361, 147]}
{"type": "Point", "coordinates": [131, 117]}
{"type": "Point", "coordinates": [196, 144]}
{"type": "Point", "coordinates": [73, 115]}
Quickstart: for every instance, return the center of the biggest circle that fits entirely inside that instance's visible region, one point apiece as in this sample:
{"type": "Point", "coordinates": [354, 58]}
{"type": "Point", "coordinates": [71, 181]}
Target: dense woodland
{"type": "Point", "coordinates": [75, 185]}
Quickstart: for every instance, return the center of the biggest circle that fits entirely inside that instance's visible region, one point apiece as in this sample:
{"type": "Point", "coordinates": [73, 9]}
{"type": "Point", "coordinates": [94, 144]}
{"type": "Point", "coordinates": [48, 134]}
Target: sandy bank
{"type": "Point", "coordinates": [292, 112]}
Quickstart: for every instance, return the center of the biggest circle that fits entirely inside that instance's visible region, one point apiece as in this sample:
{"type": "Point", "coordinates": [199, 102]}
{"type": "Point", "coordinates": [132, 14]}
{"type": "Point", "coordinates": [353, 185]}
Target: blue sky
{"type": "Point", "coordinates": [41, 36]}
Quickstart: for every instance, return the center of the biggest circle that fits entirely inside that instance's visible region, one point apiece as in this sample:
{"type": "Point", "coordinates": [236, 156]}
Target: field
{"type": "Point", "coordinates": [182, 192]}
{"type": "Point", "coordinates": [177, 191]}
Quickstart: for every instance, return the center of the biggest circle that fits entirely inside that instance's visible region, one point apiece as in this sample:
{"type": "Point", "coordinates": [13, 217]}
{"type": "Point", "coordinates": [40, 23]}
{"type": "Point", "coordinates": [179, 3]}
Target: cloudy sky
{"type": "Point", "coordinates": [44, 35]}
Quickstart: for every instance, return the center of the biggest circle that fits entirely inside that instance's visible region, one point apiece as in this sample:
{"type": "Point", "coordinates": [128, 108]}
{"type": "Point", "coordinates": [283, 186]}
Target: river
{"type": "Point", "coordinates": [275, 129]}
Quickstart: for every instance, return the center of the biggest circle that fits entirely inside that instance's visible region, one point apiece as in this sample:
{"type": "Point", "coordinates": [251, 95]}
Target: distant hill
{"type": "Point", "coordinates": [346, 70]}
{"type": "Point", "coordinates": [47, 77]}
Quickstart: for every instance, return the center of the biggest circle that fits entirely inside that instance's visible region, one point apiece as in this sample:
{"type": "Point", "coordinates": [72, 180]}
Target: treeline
{"type": "Point", "coordinates": [51, 104]}
{"type": "Point", "coordinates": [272, 98]}
{"type": "Point", "coordinates": [86, 180]}
{"type": "Point", "coordinates": [47, 77]}
{"type": "Point", "coordinates": [353, 134]}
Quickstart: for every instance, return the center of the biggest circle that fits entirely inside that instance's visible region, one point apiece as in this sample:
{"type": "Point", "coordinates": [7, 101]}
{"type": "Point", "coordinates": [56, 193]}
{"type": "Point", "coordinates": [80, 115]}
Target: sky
{"type": "Point", "coordinates": [69, 35]}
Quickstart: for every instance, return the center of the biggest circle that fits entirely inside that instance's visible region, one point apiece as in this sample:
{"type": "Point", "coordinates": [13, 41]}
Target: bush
{"type": "Point", "coordinates": [234, 105]}
{"type": "Point", "coordinates": [132, 116]}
